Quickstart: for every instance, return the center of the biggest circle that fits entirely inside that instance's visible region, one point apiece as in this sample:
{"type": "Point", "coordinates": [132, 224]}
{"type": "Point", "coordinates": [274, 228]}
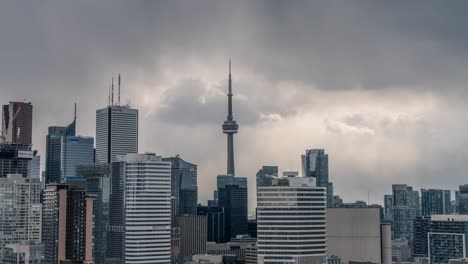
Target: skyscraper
{"type": "Point", "coordinates": [20, 210]}
{"type": "Point", "coordinates": [140, 210]}
{"type": "Point", "coordinates": [406, 208]}
{"type": "Point", "coordinates": [15, 159]}
{"type": "Point", "coordinates": [216, 223]}
{"type": "Point", "coordinates": [265, 175]}
{"type": "Point", "coordinates": [232, 196]}
{"type": "Point", "coordinates": [388, 207]}
{"type": "Point", "coordinates": [230, 128]}
{"type": "Point", "coordinates": [184, 186]}
{"type": "Point", "coordinates": [67, 230]}
{"type": "Point", "coordinates": [17, 123]}
{"type": "Point", "coordinates": [435, 201]}
{"type": "Point", "coordinates": [54, 150]}
{"type": "Point", "coordinates": [461, 199]}
{"type": "Point", "coordinates": [116, 132]}
{"type": "Point", "coordinates": [315, 164]}
{"type": "Point", "coordinates": [291, 222]}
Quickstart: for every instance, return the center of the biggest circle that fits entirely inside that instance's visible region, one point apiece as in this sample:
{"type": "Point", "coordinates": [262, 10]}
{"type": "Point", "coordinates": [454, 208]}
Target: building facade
{"type": "Point", "coordinates": [435, 201]}
{"type": "Point", "coordinates": [193, 236]}
{"type": "Point", "coordinates": [216, 231]}
{"type": "Point", "coordinates": [17, 123]}
{"type": "Point", "coordinates": [184, 186]}
{"type": "Point", "coordinates": [140, 210]}
{"type": "Point", "coordinates": [20, 210]}
{"type": "Point", "coordinates": [461, 199]}
{"type": "Point", "coordinates": [406, 208]}
{"type": "Point", "coordinates": [116, 132]}
{"type": "Point", "coordinates": [15, 159]}
{"type": "Point", "coordinates": [67, 216]}
{"type": "Point", "coordinates": [291, 219]}
{"type": "Point", "coordinates": [315, 164]}
{"type": "Point", "coordinates": [265, 175]}
{"type": "Point", "coordinates": [232, 195]}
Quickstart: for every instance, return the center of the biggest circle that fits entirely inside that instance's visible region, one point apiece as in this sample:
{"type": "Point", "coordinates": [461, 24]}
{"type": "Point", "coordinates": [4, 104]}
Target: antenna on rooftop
{"type": "Point", "coordinates": [112, 101]}
{"type": "Point", "coordinates": [119, 90]}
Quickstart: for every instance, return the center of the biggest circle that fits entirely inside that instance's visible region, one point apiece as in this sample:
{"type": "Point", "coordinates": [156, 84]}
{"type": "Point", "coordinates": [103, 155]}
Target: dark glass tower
{"type": "Point", "coordinates": [53, 150]}
{"type": "Point", "coordinates": [17, 123]}
{"type": "Point", "coordinates": [315, 164]}
{"type": "Point", "coordinates": [184, 186]}
{"type": "Point", "coordinates": [435, 201]}
{"type": "Point", "coordinates": [230, 128]}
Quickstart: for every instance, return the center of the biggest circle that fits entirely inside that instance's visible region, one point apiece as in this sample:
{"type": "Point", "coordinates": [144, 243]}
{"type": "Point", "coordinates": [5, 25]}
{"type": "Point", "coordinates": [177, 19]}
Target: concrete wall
{"type": "Point", "coordinates": [354, 234]}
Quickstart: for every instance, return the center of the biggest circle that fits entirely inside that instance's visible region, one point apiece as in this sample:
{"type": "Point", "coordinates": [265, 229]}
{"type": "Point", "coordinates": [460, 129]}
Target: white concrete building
{"type": "Point", "coordinates": [291, 218]}
{"type": "Point", "coordinates": [144, 181]}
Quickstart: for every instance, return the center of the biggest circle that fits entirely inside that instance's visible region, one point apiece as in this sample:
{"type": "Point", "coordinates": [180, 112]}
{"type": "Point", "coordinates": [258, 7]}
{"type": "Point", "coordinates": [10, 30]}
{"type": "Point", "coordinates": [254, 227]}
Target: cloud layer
{"type": "Point", "coordinates": [379, 85]}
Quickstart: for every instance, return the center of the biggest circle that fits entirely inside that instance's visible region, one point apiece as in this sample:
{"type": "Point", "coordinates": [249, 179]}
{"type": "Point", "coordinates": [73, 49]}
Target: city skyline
{"type": "Point", "coordinates": [350, 94]}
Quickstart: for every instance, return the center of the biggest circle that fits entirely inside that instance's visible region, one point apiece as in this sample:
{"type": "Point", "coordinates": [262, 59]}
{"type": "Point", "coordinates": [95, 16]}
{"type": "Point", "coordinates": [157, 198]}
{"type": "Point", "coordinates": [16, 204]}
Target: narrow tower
{"type": "Point", "coordinates": [230, 128]}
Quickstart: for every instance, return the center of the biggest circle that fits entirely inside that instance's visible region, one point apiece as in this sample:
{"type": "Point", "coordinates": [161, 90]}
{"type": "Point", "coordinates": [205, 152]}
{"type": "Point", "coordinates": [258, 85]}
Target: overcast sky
{"type": "Point", "coordinates": [380, 85]}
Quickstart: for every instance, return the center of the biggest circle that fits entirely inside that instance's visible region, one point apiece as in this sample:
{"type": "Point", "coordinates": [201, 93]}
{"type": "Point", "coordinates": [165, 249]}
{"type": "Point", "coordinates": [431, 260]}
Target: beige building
{"type": "Point", "coordinates": [355, 234]}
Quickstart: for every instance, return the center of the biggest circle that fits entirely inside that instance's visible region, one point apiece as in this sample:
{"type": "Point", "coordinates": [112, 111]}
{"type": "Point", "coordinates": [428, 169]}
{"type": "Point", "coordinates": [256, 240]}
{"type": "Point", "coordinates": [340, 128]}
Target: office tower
{"type": "Point", "coordinates": [67, 216]}
{"type": "Point", "coordinates": [461, 197]}
{"type": "Point", "coordinates": [215, 223]}
{"type": "Point", "coordinates": [388, 207]}
{"type": "Point", "coordinates": [357, 234]}
{"type": "Point", "coordinates": [442, 237]}
{"type": "Point", "coordinates": [230, 128]}
{"type": "Point", "coordinates": [193, 236]}
{"type": "Point", "coordinates": [97, 178]}
{"type": "Point", "coordinates": [252, 228]}
{"type": "Point", "coordinates": [265, 175]}
{"type": "Point", "coordinates": [54, 142]}
{"type": "Point", "coordinates": [421, 228]}
{"type": "Point", "coordinates": [25, 252]}
{"type": "Point", "coordinates": [405, 209]}
{"type": "Point", "coordinates": [251, 254]}
{"type": "Point", "coordinates": [15, 159]}
{"type": "Point", "coordinates": [140, 203]}
{"type": "Point", "coordinates": [315, 164]}
{"type": "Point", "coordinates": [17, 123]}
{"type": "Point", "coordinates": [291, 219]}
{"type": "Point", "coordinates": [435, 201]}
{"type": "Point", "coordinates": [35, 166]}
{"type": "Point", "coordinates": [184, 186]}
{"type": "Point", "coordinates": [232, 195]}
{"type": "Point", "coordinates": [20, 210]}
{"type": "Point", "coordinates": [116, 132]}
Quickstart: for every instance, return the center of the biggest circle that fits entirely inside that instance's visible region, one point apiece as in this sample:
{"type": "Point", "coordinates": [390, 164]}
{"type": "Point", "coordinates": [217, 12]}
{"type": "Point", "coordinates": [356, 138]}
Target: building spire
{"type": "Point", "coordinates": [230, 128]}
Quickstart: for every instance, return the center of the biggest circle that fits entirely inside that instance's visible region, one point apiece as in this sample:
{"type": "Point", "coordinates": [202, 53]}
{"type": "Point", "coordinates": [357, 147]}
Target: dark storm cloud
{"type": "Point", "coordinates": [297, 63]}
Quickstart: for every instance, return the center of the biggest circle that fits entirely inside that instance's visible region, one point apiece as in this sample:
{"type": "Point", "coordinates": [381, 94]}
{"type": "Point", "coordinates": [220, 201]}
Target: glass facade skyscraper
{"type": "Point", "coordinates": [17, 123]}
{"type": "Point", "coordinates": [435, 201]}
{"type": "Point", "coordinates": [265, 175]}
{"type": "Point", "coordinates": [184, 186]}
{"type": "Point", "coordinates": [315, 164]}
{"type": "Point", "coordinates": [232, 196]}
{"type": "Point", "coordinates": [406, 208]}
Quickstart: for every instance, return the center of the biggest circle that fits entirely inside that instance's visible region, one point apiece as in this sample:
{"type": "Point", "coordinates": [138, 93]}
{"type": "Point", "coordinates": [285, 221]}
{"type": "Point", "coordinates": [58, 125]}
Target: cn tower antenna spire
{"type": "Point", "coordinates": [230, 128]}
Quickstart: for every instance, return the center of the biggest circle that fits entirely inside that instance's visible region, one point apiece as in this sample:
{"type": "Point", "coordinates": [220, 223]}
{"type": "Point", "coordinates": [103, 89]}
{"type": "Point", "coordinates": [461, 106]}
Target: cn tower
{"type": "Point", "coordinates": [230, 128]}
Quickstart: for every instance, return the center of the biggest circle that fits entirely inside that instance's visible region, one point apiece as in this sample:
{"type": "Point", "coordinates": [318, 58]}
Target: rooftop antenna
{"type": "Point", "coordinates": [108, 99]}
{"type": "Point", "coordinates": [112, 101]}
{"type": "Point", "coordinates": [119, 90]}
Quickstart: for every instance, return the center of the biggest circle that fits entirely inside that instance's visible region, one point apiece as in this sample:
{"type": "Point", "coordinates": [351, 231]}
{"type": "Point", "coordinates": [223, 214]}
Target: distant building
{"type": "Point", "coordinates": [184, 186]}
{"type": "Point", "coordinates": [356, 234]}
{"type": "Point", "coordinates": [232, 195]}
{"type": "Point", "coordinates": [251, 254]}
{"type": "Point", "coordinates": [238, 250]}
{"type": "Point", "coordinates": [97, 178]}
{"type": "Point", "coordinates": [388, 207]}
{"type": "Point", "coordinates": [193, 236]}
{"type": "Point", "coordinates": [140, 203]}
{"type": "Point", "coordinates": [445, 236]}
{"type": "Point", "coordinates": [216, 222]}
{"type": "Point", "coordinates": [20, 211]}
{"type": "Point", "coordinates": [435, 201]}
{"type": "Point", "coordinates": [67, 230]}
{"type": "Point", "coordinates": [461, 198]}
{"type": "Point", "coordinates": [17, 123]}
{"type": "Point", "coordinates": [15, 159]}
{"type": "Point", "coordinates": [116, 132]}
{"type": "Point", "coordinates": [401, 252]}
{"type": "Point", "coordinates": [35, 166]}
{"type": "Point", "coordinates": [291, 219]}
{"type": "Point", "coordinates": [265, 175]}
{"type": "Point", "coordinates": [315, 164]}
{"type": "Point", "coordinates": [24, 252]}
{"type": "Point", "coordinates": [406, 208]}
